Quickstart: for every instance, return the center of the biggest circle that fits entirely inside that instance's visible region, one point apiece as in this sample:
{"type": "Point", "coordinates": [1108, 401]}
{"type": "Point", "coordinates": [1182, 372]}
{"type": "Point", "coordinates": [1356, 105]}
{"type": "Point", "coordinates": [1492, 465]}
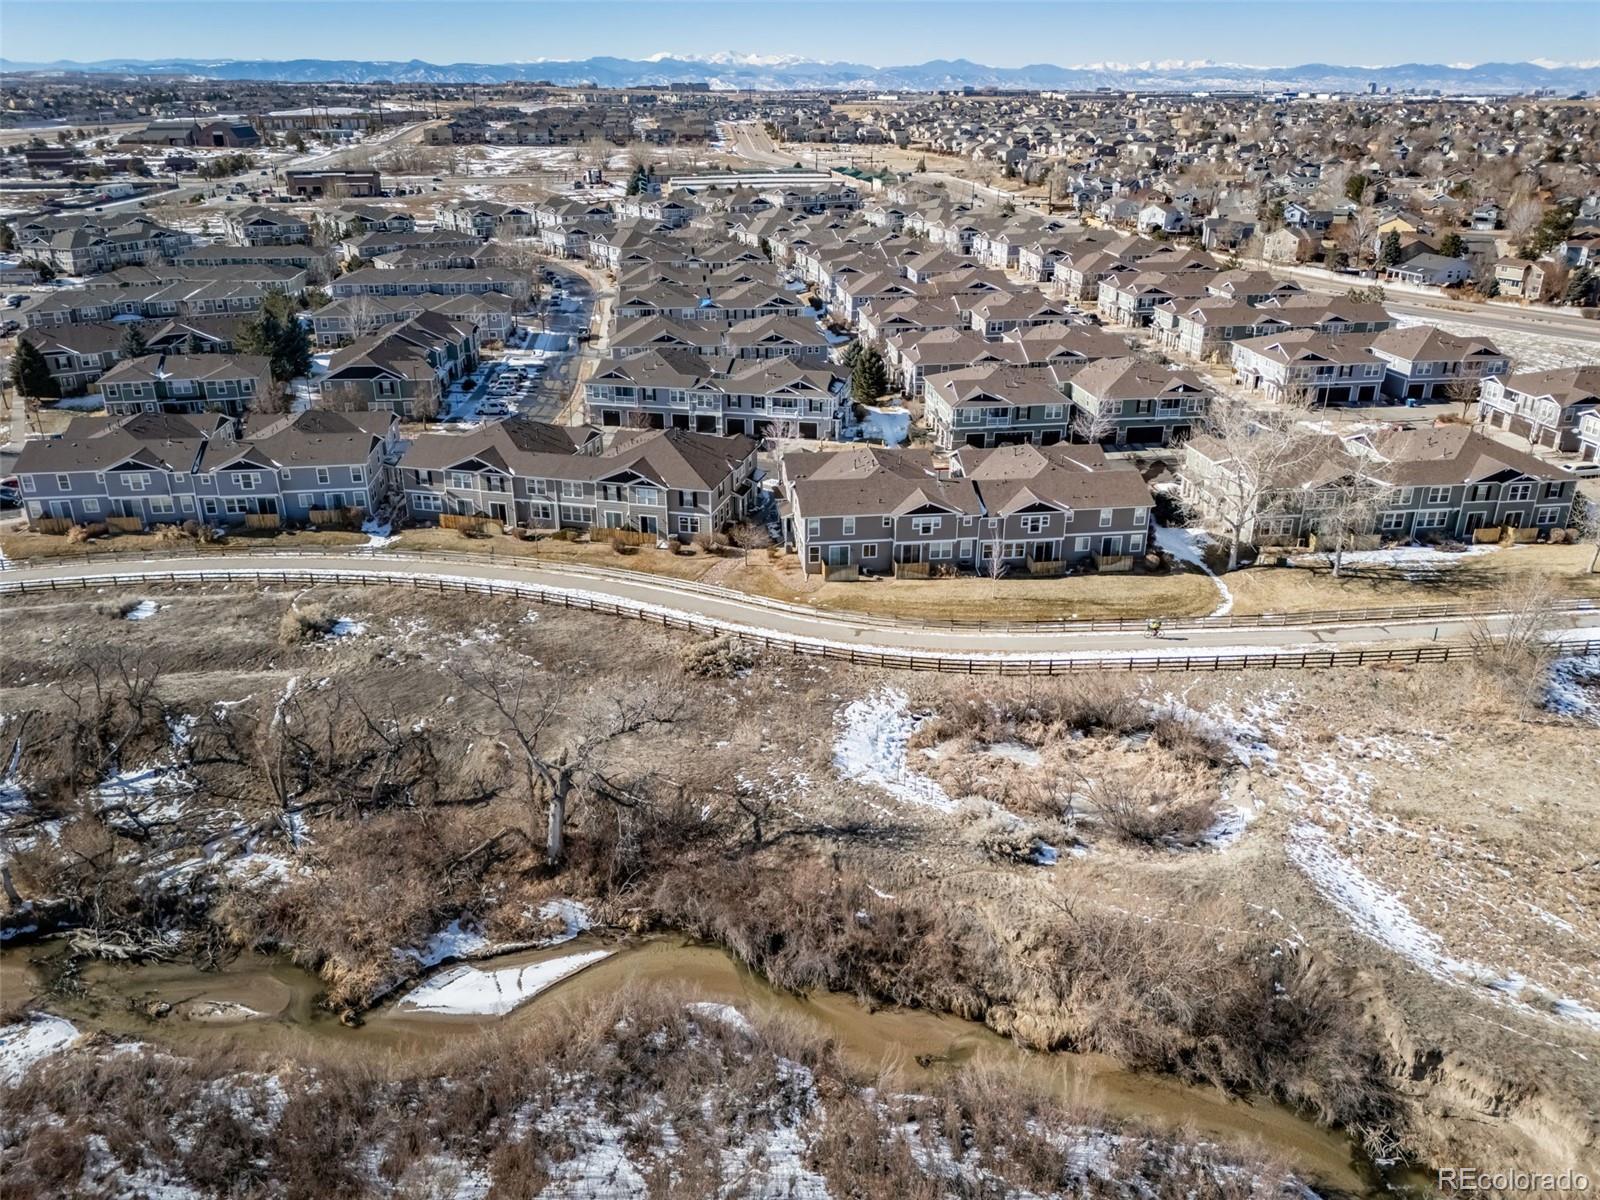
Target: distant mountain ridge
{"type": "Point", "coordinates": [757, 72]}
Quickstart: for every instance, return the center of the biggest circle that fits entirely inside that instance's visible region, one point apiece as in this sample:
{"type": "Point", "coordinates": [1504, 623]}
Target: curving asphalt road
{"type": "Point", "coordinates": [657, 597]}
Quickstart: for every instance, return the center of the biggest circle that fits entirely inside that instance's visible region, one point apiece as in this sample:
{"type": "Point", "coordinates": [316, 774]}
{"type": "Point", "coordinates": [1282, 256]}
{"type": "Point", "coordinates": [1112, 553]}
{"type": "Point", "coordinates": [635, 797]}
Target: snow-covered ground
{"type": "Point", "coordinates": [891, 426]}
{"type": "Point", "coordinates": [468, 991]}
{"type": "Point", "coordinates": [29, 1040]}
{"type": "Point", "coordinates": [1412, 561]}
{"type": "Point", "coordinates": [1573, 689]}
{"type": "Point", "coordinates": [142, 611]}
{"type": "Point", "coordinates": [1334, 831]}
{"type": "Point", "coordinates": [871, 750]}
{"type": "Point", "coordinates": [1528, 351]}
{"type": "Point", "coordinates": [1188, 545]}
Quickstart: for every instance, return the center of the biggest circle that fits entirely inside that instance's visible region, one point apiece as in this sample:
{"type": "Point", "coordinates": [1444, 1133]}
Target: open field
{"type": "Point", "coordinates": [1316, 826]}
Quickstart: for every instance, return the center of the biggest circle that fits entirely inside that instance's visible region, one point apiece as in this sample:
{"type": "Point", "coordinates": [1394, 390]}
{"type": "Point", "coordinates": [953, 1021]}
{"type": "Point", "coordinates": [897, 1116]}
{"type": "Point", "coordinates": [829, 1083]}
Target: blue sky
{"type": "Point", "coordinates": [879, 32]}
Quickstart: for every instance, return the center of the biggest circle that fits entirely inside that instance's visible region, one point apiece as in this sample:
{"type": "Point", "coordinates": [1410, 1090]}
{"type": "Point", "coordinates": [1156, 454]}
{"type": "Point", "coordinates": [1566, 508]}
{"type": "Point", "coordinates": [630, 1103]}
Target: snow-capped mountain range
{"type": "Point", "coordinates": [776, 72]}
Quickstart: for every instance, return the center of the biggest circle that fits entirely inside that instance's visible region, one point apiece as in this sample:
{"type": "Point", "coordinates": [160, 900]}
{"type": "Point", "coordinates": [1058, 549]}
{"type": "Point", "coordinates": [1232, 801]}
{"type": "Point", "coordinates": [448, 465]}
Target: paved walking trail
{"type": "Point", "coordinates": [655, 596]}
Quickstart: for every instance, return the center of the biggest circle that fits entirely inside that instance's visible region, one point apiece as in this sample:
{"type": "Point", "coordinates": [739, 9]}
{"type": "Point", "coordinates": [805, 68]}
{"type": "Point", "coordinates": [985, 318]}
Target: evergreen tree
{"type": "Point", "coordinates": [30, 374]}
{"type": "Point", "coordinates": [868, 378]}
{"type": "Point", "coordinates": [276, 334]}
{"type": "Point", "coordinates": [133, 342]}
{"type": "Point", "coordinates": [1582, 287]}
{"type": "Point", "coordinates": [8, 239]}
{"type": "Point", "coordinates": [1390, 253]}
{"type": "Point", "coordinates": [1355, 187]}
{"type": "Point", "coordinates": [1451, 245]}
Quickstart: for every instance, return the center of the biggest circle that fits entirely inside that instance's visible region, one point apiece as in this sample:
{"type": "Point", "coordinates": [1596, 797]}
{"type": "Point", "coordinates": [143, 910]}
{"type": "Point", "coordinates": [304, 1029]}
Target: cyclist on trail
{"type": "Point", "coordinates": [1153, 627]}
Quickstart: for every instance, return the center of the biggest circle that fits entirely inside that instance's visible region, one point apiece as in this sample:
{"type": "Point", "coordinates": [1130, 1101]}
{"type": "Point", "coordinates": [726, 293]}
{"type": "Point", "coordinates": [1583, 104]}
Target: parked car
{"type": "Point", "coordinates": [1583, 470]}
{"type": "Point", "coordinates": [15, 299]}
{"type": "Point", "coordinates": [493, 408]}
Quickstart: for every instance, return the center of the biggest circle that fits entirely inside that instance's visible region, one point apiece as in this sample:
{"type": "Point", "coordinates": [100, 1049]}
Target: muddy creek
{"type": "Point", "coordinates": [267, 1003]}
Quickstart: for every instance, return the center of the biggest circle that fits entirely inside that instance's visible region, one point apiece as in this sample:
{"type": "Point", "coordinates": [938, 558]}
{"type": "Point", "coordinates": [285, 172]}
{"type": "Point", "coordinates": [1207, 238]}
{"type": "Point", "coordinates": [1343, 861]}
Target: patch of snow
{"type": "Point", "coordinates": [1017, 752]}
{"type": "Point", "coordinates": [1188, 545]}
{"type": "Point", "coordinates": [142, 611]}
{"type": "Point", "coordinates": [455, 940]}
{"type": "Point", "coordinates": [871, 750]}
{"type": "Point", "coordinates": [891, 426]}
{"type": "Point", "coordinates": [27, 1041]}
{"type": "Point", "coordinates": [725, 1014]}
{"type": "Point", "coordinates": [1573, 688]}
{"type": "Point", "coordinates": [573, 914]}
{"type": "Point", "coordinates": [378, 535]}
{"type": "Point", "coordinates": [467, 991]}
{"type": "Point", "coordinates": [347, 627]}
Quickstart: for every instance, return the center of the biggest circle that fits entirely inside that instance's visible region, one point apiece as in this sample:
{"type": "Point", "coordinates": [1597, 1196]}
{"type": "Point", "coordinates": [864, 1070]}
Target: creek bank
{"type": "Point", "coordinates": [912, 1044]}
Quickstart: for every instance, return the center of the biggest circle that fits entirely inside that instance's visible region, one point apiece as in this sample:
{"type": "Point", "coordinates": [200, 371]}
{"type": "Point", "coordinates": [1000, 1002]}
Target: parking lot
{"type": "Point", "coordinates": [532, 376]}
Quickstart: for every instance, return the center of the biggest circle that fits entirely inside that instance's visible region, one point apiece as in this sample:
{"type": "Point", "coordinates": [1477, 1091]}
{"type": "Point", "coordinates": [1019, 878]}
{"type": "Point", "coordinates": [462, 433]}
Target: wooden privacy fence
{"type": "Point", "coordinates": [906, 660]}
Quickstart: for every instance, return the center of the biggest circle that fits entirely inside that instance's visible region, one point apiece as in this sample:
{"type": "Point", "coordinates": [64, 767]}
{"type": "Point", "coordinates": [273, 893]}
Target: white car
{"type": "Point", "coordinates": [1583, 470]}
{"type": "Point", "coordinates": [493, 408]}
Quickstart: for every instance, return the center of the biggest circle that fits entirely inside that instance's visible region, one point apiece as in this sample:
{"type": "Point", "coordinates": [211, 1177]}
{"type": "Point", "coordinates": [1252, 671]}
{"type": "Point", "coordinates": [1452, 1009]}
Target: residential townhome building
{"type": "Point", "coordinates": [80, 244]}
{"type": "Point", "coordinates": [1589, 437]}
{"type": "Point", "coordinates": [1131, 298]}
{"type": "Point", "coordinates": [257, 225]}
{"type": "Point", "coordinates": [405, 368]}
{"type": "Point", "coordinates": [377, 281]}
{"type": "Point", "coordinates": [355, 220]}
{"type": "Point", "coordinates": [1436, 483]}
{"type": "Point", "coordinates": [1203, 328]}
{"type": "Point", "coordinates": [168, 468]}
{"type": "Point", "coordinates": [914, 355]}
{"type": "Point", "coordinates": [759, 337]}
{"type": "Point", "coordinates": [78, 355]}
{"type": "Point", "coordinates": [669, 483]}
{"type": "Point", "coordinates": [726, 395]}
{"type": "Point", "coordinates": [1131, 402]}
{"type": "Point", "coordinates": [995, 405]}
{"type": "Point", "coordinates": [1425, 363]}
{"type": "Point", "coordinates": [1430, 270]}
{"type": "Point", "coordinates": [1306, 367]}
{"type": "Point", "coordinates": [313, 262]}
{"type": "Point", "coordinates": [187, 383]}
{"type": "Point", "coordinates": [380, 243]}
{"type": "Point", "coordinates": [1010, 509]}
{"type": "Point", "coordinates": [1545, 407]}
{"type": "Point", "coordinates": [343, 321]}
{"type": "Point", "coordinates": [486, 219]}
{"type": "Point", "coordinates": [993, 315]}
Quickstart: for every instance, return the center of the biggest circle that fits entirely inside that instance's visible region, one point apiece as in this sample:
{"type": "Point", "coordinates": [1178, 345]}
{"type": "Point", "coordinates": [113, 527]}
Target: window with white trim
{"type": "Point", "coordinates": [90, 504]}
{"type": "Point", "coordinates": [1034, 523]}
{"type": "Point", "coordinates": [1438, 495]}
{"type": "Point", "coordinates": [324, 476]}
{"type": "Point", "coordinates": [1391, 521]}
{"type": "Point", "coordinates": [1081, 545]}
{"type": "Point", "coordinates": [357, 475]}
{"type": "Point", "coordinates": [849, 526]}
{"type": "Point", "coordinates": [211, 506]}
{"type": "Point", "coordinates": [1547, 516]}
{"type": "Point", "coordinates": [869, 550]}
{"type": "Point", "coordinates": [161, 504]}
{"type": "Point", "coordinates": [941, 550]}
{"type": "Point", "coordinates": [63, 483]}
{"type": "Point", "coordinates": [1105, 518]}
{"type": "Point", "coordinates": [427, 502]}
{"type": "Point", "coordinates": [1516, 493]}
{"type": "Point", "coordinates": [688, 524]}
{"type": "Point", "coordinates": [1432, 519]}
{"type": "Point", "coordinates": [813, 527]}
{"type": "Point", "coordinates": [245, 481]}
{"type": "Point", "coordinates": [926, 525]}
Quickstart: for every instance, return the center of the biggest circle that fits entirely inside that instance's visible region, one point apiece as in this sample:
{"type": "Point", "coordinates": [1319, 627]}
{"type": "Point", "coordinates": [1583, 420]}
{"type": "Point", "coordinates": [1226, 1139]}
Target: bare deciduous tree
{"type": "Point", "coordinates": [1259, 458]}
{"type": "Point", "coordinates": [563, 740]}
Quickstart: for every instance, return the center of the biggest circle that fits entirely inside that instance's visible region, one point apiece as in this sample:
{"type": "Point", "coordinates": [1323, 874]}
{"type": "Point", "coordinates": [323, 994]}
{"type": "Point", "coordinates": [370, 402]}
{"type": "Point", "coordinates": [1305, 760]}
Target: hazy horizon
{"type": "Point", "coordinates": [1065, 33]}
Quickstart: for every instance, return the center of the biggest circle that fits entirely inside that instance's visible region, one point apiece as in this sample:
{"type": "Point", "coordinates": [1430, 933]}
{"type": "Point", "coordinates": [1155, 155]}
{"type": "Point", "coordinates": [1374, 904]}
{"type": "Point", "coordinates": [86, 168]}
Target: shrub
{"type": "Point", "coordinates": [717, 658]}
{"type": "Point", "coordinates": [1142, 816]}
{"type": "Point", "coordinates": [116, 610]}
{"type": "Point", "coordinates": [299, 623]}
{"type": "Point", "coordinates": [999, 835]}
{"type": "Point", "coordinates": [622, 545]}
{"type": "Point", "coordinates": [78, 534]}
